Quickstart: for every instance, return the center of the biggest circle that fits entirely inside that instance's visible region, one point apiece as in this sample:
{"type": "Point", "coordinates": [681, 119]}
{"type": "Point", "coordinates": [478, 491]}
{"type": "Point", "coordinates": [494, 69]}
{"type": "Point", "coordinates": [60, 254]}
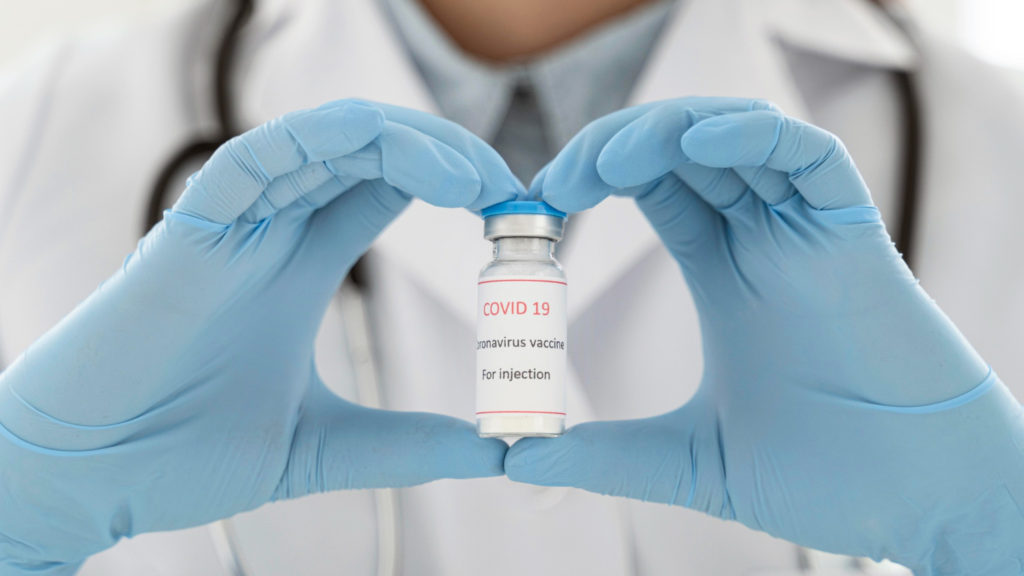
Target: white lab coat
{"type": "Point", "coordinates": [88, 122]}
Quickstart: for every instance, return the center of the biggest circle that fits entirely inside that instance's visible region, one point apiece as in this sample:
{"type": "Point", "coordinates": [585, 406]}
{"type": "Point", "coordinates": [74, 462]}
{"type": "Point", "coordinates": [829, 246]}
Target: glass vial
{"type": "Point", "coordinates": [521, 324]}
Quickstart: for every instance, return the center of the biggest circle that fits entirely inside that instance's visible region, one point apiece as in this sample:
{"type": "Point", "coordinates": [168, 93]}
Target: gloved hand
{"type": "Point", "coordinates": [184, 389]}
{"type": "Point", "coordinates": [839, 408]}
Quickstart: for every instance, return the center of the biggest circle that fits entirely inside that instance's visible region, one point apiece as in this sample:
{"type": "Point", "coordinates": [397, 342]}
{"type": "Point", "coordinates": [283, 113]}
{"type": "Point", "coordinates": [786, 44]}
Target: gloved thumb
{"type": "Point", "coordinates": [673, 458]}
{"type": "Point", "coordinates": [340, 446]}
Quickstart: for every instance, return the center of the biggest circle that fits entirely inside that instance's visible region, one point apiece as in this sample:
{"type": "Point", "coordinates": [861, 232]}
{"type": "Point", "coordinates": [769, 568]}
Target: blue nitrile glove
{"type": "Point", "coordinates": [184, 389]}
{"type": "Point", "coordinates": [839, 408]}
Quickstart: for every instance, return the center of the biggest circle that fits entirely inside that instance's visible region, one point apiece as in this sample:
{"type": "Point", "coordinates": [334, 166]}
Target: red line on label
{"type": "Point", "coordinates": [520, 412]}
{"type": "Point", "coordinates": [524, 280]}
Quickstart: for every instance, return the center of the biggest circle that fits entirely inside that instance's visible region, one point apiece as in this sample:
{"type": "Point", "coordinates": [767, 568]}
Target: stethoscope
{"type": "Point", "coordinates": [352, 296]}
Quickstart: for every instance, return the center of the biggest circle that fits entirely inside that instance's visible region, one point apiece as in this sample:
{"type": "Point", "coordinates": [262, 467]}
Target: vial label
{"type": "Point", "coordinates": [521, 349]}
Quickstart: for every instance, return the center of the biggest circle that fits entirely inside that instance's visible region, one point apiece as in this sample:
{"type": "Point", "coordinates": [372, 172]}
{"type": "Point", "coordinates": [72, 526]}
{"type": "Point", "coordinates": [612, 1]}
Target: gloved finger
{"type": "Point", "coordinates": [772, 186]}
{"type": "Point", "coordinates": [412, 160]}
{"type": "Point", "coordinates": [573, 183]}
{"type": "Point", "coordinates": [241, 169]}
{"type": "Point", "coordinates": [343, 174]}
{"type": "Point", "coordinates": [570, 182]}
{"type": "Point", "coordinates": [690, 229]}
{"type": "Point", "coordinates": [342, 446]}
{"type": "Point", "coordinates": [669, 459]}
{"type": "Point", "coordinates": [537, 183]}
{"type": "Point", "coordinates": [720, 188]}
{"type": "Point", "coordinates": [498, 184]}
{"type": "Point", "coordinates": [347, 223]}
{"type": "Point", "coordinates": [296, 186]}
{"type": "Point", "coordinates": [343, 230]}
{"type": "Point", "coordinates": [425, 167]}
{"type": "Point", "coordinates": [816, 162]}
{"type": "Point", "coordinates": [649, 146]}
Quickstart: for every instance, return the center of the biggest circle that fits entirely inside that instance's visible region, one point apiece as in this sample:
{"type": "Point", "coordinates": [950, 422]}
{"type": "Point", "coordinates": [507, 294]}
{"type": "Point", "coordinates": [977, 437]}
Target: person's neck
{"type": "Point", "coordinates": [509, 30]}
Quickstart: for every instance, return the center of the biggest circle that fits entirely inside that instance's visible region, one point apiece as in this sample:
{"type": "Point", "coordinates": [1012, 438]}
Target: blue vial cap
{"type": "Point", "coordinates": [522, 207]}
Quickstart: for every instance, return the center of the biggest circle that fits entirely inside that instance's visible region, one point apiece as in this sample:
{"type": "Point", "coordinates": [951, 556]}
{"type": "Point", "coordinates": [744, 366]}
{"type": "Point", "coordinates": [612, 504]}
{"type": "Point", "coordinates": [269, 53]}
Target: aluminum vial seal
{"type": "Point", "coordinates": [523, 218]}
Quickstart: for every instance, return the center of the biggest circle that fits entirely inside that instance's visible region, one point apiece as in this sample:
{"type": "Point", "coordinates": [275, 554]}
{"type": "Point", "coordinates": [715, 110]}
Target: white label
{"type": "Point", "coordinates": [521, 349]}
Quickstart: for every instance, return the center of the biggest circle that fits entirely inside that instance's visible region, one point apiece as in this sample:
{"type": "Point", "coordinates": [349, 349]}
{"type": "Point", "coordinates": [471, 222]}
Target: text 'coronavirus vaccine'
{"type": "Point", "coordinates": [521, 324]}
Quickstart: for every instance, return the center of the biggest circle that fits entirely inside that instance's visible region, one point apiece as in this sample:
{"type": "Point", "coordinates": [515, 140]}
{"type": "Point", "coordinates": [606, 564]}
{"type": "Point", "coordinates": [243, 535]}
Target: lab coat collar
{"type": "Point", "coordinates": [570, 85]}
{"type": "Point", "coordinates": [306, 53]}
{"type": "Point", "coordinates": [735, 47]}
{"type": "Point", "coordinates": [468, 91]}
{"type": "Point", "coordinates": [853, 30]}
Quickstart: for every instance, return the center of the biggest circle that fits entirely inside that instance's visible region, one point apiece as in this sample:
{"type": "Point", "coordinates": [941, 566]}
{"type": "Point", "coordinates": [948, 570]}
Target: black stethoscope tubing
{"type": "Point", "coordinates": [903, 232]}
{"type": "Point", "coordinates": [203, 147]}
{"type": "Point", "coordinates": [910, 172]}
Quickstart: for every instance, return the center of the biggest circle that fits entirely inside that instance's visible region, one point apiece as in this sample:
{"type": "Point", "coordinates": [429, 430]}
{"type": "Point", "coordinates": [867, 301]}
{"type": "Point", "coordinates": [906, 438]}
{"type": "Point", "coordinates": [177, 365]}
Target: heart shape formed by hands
{"type": "Point", "coordinates": [839, 407]}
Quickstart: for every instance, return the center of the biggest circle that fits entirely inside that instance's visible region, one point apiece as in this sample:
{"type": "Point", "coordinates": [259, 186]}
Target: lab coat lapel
{"type": "Point", "coordinates": [720, 48]}
{"type": "Point", "coordinates": [735, 47]}
{"type": "Point", "coordinates": [852, 30]}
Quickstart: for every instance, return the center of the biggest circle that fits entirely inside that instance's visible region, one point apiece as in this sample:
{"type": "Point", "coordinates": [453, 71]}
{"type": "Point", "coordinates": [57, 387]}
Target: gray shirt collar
{"type": "Point", "coordinates": [571, 86]}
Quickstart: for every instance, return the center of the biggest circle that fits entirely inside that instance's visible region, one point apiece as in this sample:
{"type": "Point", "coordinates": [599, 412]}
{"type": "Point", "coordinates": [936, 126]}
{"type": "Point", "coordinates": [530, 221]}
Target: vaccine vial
{"type": "Point", "coordinates": [521, 324]}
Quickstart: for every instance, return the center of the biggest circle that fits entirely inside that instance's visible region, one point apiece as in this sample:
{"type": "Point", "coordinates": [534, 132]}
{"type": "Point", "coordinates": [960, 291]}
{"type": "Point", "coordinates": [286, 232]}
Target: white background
{"type": "Point", "coordinates": [990, 28]}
